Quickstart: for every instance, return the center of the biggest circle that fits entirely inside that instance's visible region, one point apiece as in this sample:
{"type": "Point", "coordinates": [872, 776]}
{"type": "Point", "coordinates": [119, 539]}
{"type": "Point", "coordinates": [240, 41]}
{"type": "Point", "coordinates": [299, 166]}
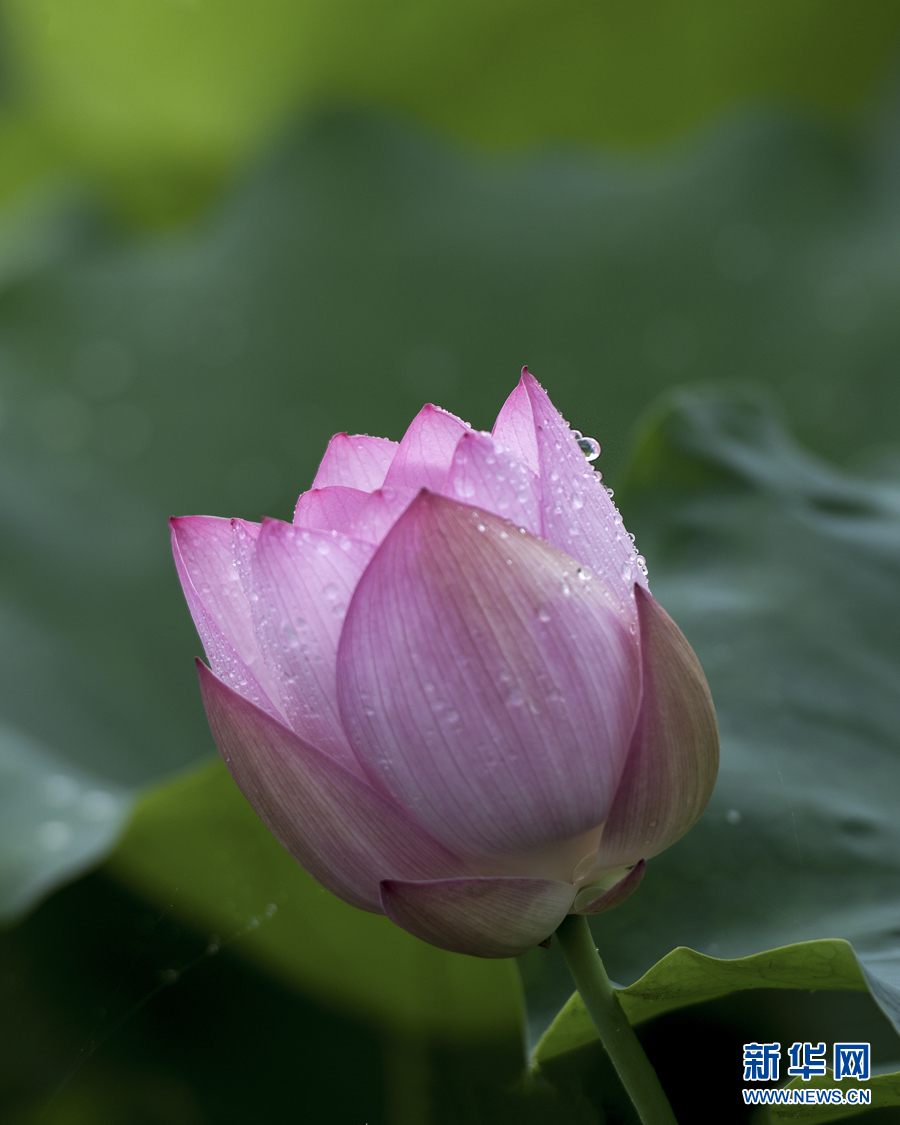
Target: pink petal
{"type": "Point", "coordinates": [490, 686]}
{"type": "Point", "coordinates": [243, 545]}
{"type": "Point", "coordinates": [329, 509]}
{"type": "Point", "coordinates": [346, 835]}
{"type": "Point", "coordinates": [426, 452]}
{"type": "Point", "coordinates": [488, 476]}
{"type": "Point", "coordinates": [207, 567]}
{"type": "Point", "coordinates": [379, 513]}
{"type": "Point", "coordinates": [674, 756]}
{"type": "Point", "coordinates": [616, 895]}
{"type": "Point", "coordinates": [578, 515]}
{"type": "Point", "coordinates": [303, 580]}
{"type": "Point", "coordinates": [514, 428]}
{"type": "Point", "coordinates": [494, 917]}
{"type": "Point", "coordinates": [355, 461]}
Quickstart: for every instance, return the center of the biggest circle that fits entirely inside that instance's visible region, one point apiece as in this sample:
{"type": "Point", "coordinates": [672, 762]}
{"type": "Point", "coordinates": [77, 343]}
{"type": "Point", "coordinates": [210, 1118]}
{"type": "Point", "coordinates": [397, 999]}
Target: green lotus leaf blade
{"type": "Point", "coordinates": [195, 846]}
{"type": "Point", "coordinates": [684, 977]}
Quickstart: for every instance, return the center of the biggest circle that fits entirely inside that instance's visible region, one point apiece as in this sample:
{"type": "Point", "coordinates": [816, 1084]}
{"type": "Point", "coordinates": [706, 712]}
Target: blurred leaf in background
{"type": "Point", "coordinates": [366, 264]}
{"type": "Point", "coordinates": [157, 101]}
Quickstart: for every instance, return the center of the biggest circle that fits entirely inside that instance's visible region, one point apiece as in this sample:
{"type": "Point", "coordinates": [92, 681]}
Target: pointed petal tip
{"type": "Point", "coordinates": [185, 523]}
{"type": "Point", "coordinates": [355, 461]}
{"type": "Point", "coordinates": [529, 380]}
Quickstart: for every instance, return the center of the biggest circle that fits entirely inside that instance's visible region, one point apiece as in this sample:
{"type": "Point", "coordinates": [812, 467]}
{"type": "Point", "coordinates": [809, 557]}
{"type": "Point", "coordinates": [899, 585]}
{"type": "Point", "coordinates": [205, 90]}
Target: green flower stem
{"type": "Point", "coordinates": [616, 1033]}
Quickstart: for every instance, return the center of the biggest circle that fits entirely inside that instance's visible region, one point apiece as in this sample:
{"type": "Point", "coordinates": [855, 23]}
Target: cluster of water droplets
{"type": "Point", "coordinates": [445, 714]}
{"type": "Point", "coordinates": [591, 449]}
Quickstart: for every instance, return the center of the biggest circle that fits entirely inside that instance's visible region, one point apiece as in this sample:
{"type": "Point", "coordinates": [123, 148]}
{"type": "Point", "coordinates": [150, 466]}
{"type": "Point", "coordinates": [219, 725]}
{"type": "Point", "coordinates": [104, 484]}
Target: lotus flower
{"type": "Point", "coordinates": [445, 687]}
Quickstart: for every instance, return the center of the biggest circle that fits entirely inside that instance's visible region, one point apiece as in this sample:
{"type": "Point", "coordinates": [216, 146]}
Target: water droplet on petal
{"type": "Point", "coordinates": [589, 447]}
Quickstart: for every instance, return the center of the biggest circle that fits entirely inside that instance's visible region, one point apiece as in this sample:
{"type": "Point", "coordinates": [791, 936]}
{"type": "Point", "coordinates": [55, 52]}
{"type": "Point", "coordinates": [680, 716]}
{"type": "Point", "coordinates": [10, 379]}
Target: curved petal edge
{"type": "Point", "coordinates": [484, 917]}
{"type": "Point", "coordinates": [672, 763]}
{"type": "Point", "coordinates": [346, 834]}
{"type": "Point", "coordinates": [616, 895]}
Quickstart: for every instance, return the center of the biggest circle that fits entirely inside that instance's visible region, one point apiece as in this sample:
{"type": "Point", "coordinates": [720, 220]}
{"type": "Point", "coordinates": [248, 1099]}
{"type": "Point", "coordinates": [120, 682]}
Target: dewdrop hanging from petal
{"type": "Point", "coordinates": [445, 687]}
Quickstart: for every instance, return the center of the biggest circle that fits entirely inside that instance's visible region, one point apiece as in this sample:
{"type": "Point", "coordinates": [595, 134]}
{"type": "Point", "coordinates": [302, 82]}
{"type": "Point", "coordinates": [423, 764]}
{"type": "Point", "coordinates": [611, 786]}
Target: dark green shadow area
{"type": "Point", "coordinates": [112, 1012]}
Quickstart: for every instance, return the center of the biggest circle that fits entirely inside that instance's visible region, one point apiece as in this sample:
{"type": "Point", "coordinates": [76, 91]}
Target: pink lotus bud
{"type": "Point", "coordinates": [445, 687]}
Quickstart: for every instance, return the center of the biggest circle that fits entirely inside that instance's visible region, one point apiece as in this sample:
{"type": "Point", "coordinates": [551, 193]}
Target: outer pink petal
{"type": "Point", "coordinates": [494, 917]}
{"type": "Point", "coordinates": [355, 461]}
{"type": "Point", "coordinates": [303, 580]}
{"type": "Point", "coordinates": [578, 515]}
{"type": "Point", "coordinates": [674, 756]}
{"type": "Point", "coordinates": [346, 835]}
{"type": "Point", "coordinates": [329, 509]}
{"type": "Point", "coordinates": [380, 512]}
{"type": "Point", "coordinates": [487, 476]}
{"type": "Point", "coordinates": [426, 452]}
{"type": "Point", "coordinates": [207, 567]}
{"type": "Point", "coordinates": [492, 688]}
{"type": "Point", "coordinates": [514, 428]}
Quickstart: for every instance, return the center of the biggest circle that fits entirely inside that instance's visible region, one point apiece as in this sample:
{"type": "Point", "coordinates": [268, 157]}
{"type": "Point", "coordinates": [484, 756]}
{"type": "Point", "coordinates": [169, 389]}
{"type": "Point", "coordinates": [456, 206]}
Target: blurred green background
{"type": "Point", "coordinates": [230, 230]}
